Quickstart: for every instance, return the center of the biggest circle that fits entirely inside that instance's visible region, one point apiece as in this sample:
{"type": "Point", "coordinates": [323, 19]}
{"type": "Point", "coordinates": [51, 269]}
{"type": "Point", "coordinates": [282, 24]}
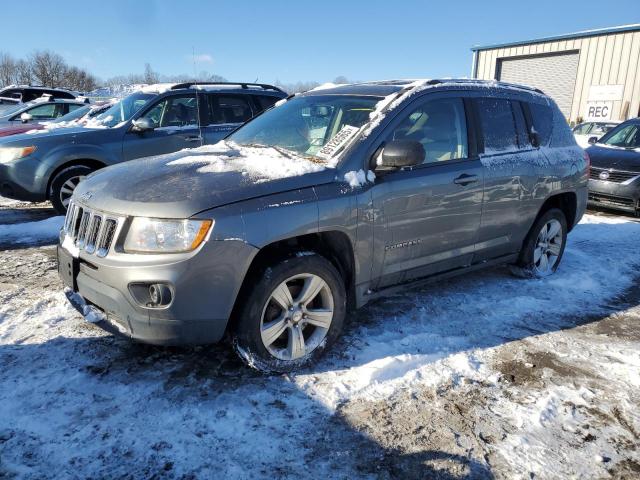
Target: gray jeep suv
{"type": "Point", "coordinates": [322, 203]}
{"type": "Point", "coordinates": [48, 164]}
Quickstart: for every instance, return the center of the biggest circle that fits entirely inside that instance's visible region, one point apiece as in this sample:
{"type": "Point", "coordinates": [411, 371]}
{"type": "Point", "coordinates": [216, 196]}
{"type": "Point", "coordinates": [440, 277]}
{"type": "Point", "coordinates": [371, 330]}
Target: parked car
{"type": "Point", "coordinates": [271, 234]}
{"type": "Point", "coordinates": [75, 118]}
{"type": "Point", "coordinates": [155, 120]}
{"type": "Point", "coordinates": [26, 93]}
{"type": "Point", "coordinates": [40, 110]}
{"type": "Point", "coordinates": [615, 172]}
{"type": "Point", "coordinates": [584, 131]}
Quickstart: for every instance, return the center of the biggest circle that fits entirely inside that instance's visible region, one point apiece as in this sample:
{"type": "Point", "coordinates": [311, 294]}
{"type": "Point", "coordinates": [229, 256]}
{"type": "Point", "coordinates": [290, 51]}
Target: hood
{"type": "Point", "coordinates": [23, 138]}
{"type": "Point", "coordinates": [15, 130]}
{"type": "Point", "coordinates": [182, 184]}
{"type": "Point", "coordinates": [617, 158]}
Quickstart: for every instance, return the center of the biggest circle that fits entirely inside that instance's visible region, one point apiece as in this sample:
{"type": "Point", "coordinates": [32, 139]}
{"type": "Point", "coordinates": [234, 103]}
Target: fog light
{"type": "Point", "coordinates": [159, 295]}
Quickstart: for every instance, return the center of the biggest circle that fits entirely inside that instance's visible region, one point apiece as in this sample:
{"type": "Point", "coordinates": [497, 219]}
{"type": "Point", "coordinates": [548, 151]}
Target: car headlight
{"type": "Point", "coordinates": [14, 153]}
{"type": "Point", "coordinates": [156, 235]}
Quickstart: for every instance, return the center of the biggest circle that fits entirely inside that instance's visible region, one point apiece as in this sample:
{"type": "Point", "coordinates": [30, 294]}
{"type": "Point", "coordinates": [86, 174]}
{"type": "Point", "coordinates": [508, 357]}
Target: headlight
{"type": "Point", "coordinates": [155, 235]}
{"type": "Point", "coordinates": [13, 153]}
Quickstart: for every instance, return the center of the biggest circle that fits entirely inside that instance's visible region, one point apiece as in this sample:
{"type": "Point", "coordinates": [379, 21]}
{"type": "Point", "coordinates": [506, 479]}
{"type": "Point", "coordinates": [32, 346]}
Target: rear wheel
{"type": "Point", "coordinates": [290, 314]}
{"type": "Point", "coordinates": [544, 246]}
{"type": "Point", "coordinates": [63, 185]}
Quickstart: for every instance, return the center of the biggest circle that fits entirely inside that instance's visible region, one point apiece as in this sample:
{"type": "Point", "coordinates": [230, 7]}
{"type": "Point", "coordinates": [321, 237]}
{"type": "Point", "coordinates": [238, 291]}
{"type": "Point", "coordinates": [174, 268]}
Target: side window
{"type": "Point", "coordinates": [229, 109]}
{"type": "Point", "coordinates": [48, 110]}
{"type": "Point", "coordinates": [440, 126]}
{"type": "Point", "coordinates": [542, 117]}
{"type": "Point", "coordinates": [174, 112]}
{"type": "Point", "coordinates": [11, 94]}
{"type": "Point", "coordinates": [266, 102]}
{"type": "Point", "coordinates": [498, 124]}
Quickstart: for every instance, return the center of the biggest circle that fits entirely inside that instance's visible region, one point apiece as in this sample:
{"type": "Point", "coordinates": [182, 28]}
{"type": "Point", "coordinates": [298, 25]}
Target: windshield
{"type": "Point", "coordinates": [124, 109]}
{"type": "Point", "coordinates": [303, 125]}
{"type": "Point", "coordinates": [5, 112]}
{"type": "Point", "coordinates": [624, 136]}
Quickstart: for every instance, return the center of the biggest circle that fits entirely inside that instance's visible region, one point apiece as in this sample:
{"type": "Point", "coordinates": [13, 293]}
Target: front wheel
{"type": "Point", "coordinates": [544, 246]}
{"type": "Point", "coordinates": [290, 315]}
{"type": "Point", "coordinates": [63, 185]}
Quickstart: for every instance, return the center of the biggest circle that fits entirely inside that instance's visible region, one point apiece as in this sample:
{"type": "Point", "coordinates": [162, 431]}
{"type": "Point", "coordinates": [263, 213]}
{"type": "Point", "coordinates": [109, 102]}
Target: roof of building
{"type": "Point", "coordinates": [585, 33]}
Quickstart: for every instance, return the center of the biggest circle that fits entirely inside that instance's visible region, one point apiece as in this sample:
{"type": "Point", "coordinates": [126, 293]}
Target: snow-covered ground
{"type": "Point", "coordinates": [481, 376]}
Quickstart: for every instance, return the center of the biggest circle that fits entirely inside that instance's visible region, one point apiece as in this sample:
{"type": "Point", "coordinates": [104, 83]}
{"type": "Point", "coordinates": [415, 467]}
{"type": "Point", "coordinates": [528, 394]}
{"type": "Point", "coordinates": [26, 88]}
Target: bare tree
{"type": "Point", "coordinates": [149, 75]}
{"type": "Point", "coordinates": [23, 74]}
{"type": "Point", "coordinates": [7, 69]}
{"type": "Point", "coordinates": [48, 68]}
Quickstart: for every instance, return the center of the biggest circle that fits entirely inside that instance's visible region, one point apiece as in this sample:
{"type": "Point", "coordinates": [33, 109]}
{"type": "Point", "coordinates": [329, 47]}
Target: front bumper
{"type": "Point", "coordinates": [21, 180]}
{"type": "Point", "coordinates": [205, 286]}
{"type": "Point", "coordinates": [615, 195]}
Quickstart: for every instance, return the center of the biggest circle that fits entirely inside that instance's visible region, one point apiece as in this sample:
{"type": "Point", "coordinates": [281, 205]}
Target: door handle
{"type": "Point", "coordinates": [465, 179]}
{"type": "Point", "coordinates": [193, 138]}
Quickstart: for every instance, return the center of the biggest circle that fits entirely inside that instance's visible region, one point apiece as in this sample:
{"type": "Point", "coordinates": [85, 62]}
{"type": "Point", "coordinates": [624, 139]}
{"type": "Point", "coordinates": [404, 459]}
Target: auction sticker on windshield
{"type": "Point", "coordinates": [337, 142]}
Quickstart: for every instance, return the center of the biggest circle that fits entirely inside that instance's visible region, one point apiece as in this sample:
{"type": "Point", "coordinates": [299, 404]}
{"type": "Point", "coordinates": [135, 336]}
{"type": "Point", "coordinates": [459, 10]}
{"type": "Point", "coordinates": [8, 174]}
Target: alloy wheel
{"type": "Point", "coordinates": [297, 317]}
{"type": "Point", "coordinates": [67, 189]}
{"type": "Point", "coordinates": [548, 247]}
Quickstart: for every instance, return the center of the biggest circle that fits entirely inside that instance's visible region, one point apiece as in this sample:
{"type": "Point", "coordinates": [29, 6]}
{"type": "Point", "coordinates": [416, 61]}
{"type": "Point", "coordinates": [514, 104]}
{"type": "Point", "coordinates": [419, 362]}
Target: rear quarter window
{"type": "Point", "coordinates": [542, 119]}
{"type": "Point", "coordinates": [266, 101]}
{"type": "Point", "coordinates": [561, 134]}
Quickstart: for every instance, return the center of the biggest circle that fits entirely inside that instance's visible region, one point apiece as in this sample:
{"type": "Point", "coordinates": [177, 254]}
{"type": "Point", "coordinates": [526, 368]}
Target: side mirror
{"type": "Point", "coordinates": [401, 153]}
{"type": "Point", "coordinates": [592, 140]}
{"type": "Point", "coordinates": [142, 125]}
{"type": "Point", "coordinates": [26, 117]}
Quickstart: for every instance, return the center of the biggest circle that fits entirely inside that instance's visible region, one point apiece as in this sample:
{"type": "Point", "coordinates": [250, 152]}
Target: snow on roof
{"type": "Point", "coordinates": [583, 33]}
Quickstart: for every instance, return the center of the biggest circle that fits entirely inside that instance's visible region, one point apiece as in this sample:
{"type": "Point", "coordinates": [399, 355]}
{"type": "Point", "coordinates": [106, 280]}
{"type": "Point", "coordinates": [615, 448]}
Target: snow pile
{"type": "Point", "coordinates": [416, 339]}
{"type": "Point", "coordinates": [32, 232]}
{"type": "Point", "coordinates": [256, 162]}
{"type": "Point", "coordinates": [359, 178]}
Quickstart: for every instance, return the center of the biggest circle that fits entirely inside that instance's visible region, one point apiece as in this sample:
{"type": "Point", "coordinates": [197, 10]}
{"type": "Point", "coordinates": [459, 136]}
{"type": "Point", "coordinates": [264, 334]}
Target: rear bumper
{"type": "Point", "coordinates": [614, 195]}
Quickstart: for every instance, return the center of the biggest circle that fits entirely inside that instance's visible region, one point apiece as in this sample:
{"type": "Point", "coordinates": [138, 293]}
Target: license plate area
{"type": "Point", "coordinates": [68, 268]}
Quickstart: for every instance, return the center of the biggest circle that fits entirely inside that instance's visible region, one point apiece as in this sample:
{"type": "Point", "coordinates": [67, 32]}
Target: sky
{"type": "Point", "coordinates": [292, 41]}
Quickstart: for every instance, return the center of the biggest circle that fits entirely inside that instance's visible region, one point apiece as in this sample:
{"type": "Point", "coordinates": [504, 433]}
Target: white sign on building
{"type": "Point", "coordinates": [605, 93]}
{"type": "Point", "coordinates": [599, 111]}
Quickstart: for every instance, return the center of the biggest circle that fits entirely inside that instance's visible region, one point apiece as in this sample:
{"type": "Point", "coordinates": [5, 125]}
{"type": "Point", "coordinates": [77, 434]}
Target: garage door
{"type": "Point", "coordinates": [555, 75]}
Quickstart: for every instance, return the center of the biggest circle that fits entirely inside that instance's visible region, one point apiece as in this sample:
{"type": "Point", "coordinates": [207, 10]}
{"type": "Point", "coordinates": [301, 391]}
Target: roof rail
{"type": "Point", "coordinates": [485, 82]}
{"type": "Point", "coordinates": [264, 86]}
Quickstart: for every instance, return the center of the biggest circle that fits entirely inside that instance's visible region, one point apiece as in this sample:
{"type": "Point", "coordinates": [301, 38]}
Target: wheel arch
{"type": "Point", "coordinates": [85, 162]}
{"type": "Point", "coordinates": [333, 245]}
{"type": "Point", "coordinates": [567, 202]}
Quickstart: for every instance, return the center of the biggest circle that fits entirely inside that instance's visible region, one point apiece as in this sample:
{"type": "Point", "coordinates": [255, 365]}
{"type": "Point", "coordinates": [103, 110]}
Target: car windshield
{"type": "Point", "coordinates": [305, 124]}
{"type": "Point", "coordinates": [6, 112]}
{"type": "Point", "coordinates": [124, 109]}
{"type": "Point", "coordinates": [624, 136]}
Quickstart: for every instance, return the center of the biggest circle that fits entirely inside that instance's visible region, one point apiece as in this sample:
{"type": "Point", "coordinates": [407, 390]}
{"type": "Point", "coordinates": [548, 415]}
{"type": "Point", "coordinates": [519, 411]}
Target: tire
{"type": "Point", "coordinates": [272, 339]}
{"type": "Point", "coordinates": [63, 184]}
{"type": "Point", "coordinates": [544, 246]}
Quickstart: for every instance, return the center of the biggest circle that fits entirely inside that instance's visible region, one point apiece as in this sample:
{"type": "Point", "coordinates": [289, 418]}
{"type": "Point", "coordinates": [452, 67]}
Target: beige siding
{"type": "Point", "coordinates": [610, 59]}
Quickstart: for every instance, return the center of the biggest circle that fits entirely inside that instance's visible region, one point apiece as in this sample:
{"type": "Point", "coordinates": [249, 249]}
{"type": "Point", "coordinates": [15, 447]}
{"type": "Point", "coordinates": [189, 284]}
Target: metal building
{"type": "Point", "coordinates": [592, 75]}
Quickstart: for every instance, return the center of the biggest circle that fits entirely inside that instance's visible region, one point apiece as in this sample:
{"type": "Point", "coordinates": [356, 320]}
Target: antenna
{"type": "Point", "coordinates": [195, 79]}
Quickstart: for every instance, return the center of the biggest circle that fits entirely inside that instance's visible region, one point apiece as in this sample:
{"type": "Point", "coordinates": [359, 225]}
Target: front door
{"type": "Point", "coordinates": [176, 127]}
{"type": "Point", "coordinates": [427, 217]}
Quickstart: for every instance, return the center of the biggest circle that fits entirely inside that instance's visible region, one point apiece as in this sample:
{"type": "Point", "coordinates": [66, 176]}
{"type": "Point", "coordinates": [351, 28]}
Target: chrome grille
{"type": "Point", "coordinates": [91, 231]}
{"type": "Point", "coordinates": [616, 176]}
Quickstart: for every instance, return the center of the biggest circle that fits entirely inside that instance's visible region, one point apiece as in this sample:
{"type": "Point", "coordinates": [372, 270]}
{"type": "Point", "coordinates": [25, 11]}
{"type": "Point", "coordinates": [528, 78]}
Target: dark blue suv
{"type": "Point", "coordinates": [158, 119]}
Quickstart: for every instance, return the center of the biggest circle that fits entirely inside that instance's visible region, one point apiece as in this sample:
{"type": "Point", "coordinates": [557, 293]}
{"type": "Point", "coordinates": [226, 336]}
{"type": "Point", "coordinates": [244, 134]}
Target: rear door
{"type": "Point", "coordinates": [510, 164]}
{"type": "Point", "coordinates": [427, 217]}
{"type": "Point", "coordinates": [225, 113]}
{"type": "Point", "coordinates": [176, 127]}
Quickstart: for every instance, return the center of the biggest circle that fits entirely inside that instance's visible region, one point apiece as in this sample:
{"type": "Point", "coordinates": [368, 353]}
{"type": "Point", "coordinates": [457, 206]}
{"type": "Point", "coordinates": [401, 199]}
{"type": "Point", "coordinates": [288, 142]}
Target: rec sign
{"type": "Point", "coordinates": [599, 111]}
